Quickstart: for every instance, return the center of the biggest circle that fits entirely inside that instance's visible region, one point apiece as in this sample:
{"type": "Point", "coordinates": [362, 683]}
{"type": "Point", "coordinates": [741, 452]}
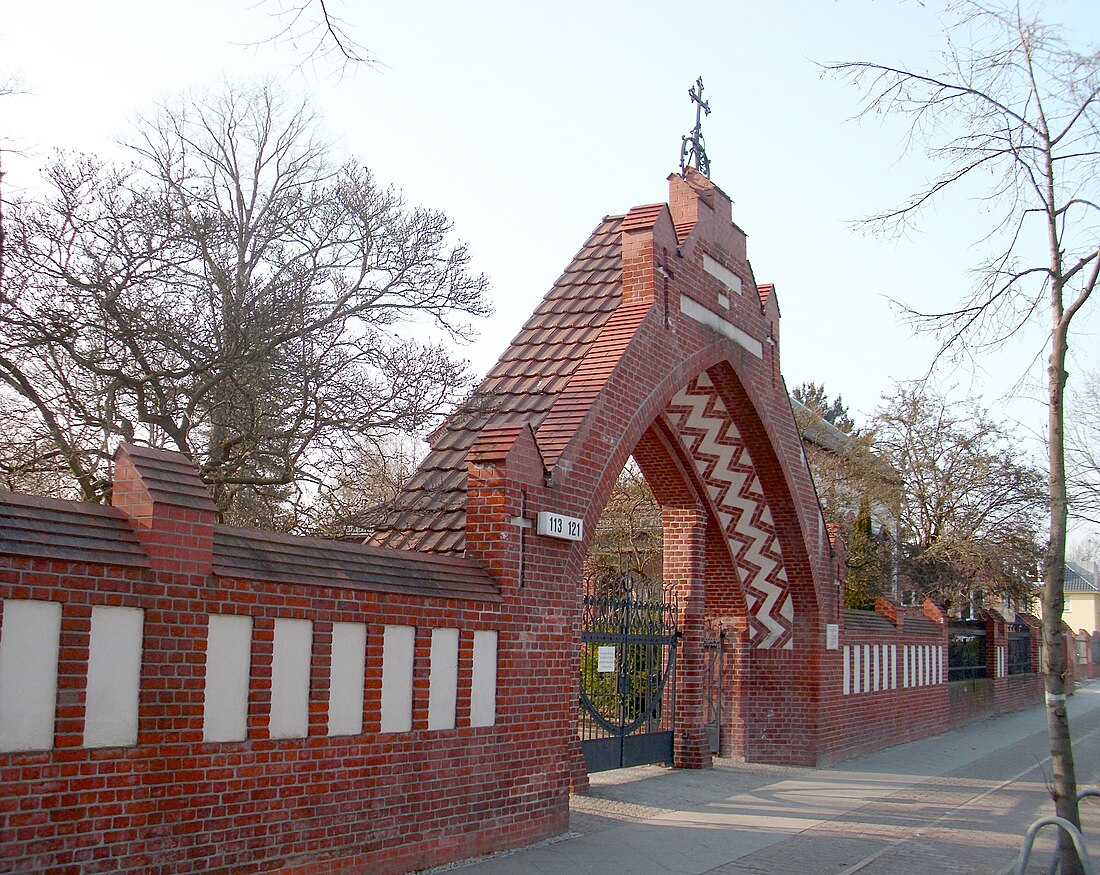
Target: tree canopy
{"type": "Point", "coordinates": [234, 293]}
{"type": "Point", "coordinates": [971, 504]}
{"type": "Point", "coordinates": [834, 411]}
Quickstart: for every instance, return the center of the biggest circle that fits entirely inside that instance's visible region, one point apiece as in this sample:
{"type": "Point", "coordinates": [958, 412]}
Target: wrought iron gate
{"type": "Point", "coordinates": [712, 690]}
{"type": "Point", "coordinates": [628, 679]}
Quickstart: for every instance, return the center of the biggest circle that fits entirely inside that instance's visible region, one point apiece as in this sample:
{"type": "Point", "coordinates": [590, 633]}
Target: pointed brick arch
{"type": "Point", "coordinates": [725, 465]}
{"type": "Point", "coordinates": [655, 340]}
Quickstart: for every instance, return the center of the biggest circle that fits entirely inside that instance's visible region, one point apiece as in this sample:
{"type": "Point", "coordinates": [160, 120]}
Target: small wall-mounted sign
{"type": "Point", "coordinates": [832, 636]}
{"type": "Point", "coordinates": [556, 525]}
{"type": "Point", "coordinates": [605, 659]}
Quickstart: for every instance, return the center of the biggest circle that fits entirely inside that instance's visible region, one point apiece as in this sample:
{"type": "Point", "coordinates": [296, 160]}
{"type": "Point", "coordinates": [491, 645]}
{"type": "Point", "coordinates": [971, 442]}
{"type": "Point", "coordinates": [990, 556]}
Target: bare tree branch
{"type": "Point", "coordinates": [324, 33]}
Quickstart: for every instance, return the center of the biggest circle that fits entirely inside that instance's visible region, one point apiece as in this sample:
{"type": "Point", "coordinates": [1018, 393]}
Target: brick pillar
{"type": "Point", "coordinates": [169, 508]}
{"type": "Point", "coordinates": [684, 569]}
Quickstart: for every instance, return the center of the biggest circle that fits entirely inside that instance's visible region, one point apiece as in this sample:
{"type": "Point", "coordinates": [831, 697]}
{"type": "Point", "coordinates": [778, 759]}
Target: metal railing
{"type": "Point", "coordinates": [966, 652]}
{"type": "Point", "coordinates": [1019, 648]}
{"type": "Point", "coordinates": [1072, 831]}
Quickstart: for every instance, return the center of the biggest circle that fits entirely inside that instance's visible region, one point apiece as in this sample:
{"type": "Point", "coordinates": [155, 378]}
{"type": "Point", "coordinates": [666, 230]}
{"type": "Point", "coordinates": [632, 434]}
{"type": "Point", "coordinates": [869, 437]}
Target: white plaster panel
{"type": "Point", "coordinates": [876, 671]}
{"type": "Point", "coordinates": [701, 314]}
{"type": "Point", "coordinates": [722, 273]}
{"type": "Point", "coordinates": [114, 676]}
{"type": "Point", "coordinates": [398, 646]}
{"type": "Point", "coordinates": [847, 670]}
{"type": "Point", "coordinates": [856, 671]}
{"type": "Point", "coordinates": [443, 680]}
{"type": "Point", "coordinates": [291, 650]}
{"type": "Point", "coordinates": [893, 666]}
{"type": "Point", "coordinates": [483, 695]}
{"type": "Point", "coordinates": [28, 674]}
{"type": "Point", "coordinates": [346, 678]}
{"type": "Point", "coordinates": [228, 667]}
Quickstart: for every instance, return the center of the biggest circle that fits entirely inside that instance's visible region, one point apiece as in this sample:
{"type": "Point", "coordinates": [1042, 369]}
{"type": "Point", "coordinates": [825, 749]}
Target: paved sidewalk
{"type": "Point", "coordinates": [956, 803]}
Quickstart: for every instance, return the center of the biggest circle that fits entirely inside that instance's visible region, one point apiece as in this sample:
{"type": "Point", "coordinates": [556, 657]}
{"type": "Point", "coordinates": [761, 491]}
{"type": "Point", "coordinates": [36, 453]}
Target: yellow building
{"type": "Point", "coordinates": [1082, 609]}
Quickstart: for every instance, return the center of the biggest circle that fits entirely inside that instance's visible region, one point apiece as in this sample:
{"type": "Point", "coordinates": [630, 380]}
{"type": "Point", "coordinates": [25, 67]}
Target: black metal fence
{"type": "Point", "coordinates": [1019, 648]}
{"type": "Point", "coordinates": [628, 683]}
{"type": "Point", "coordinates": [966, 654]}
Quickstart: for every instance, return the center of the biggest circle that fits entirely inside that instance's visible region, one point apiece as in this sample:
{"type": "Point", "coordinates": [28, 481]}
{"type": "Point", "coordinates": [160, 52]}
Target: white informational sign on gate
{"type": "Point", "coordinates": [605, 659]}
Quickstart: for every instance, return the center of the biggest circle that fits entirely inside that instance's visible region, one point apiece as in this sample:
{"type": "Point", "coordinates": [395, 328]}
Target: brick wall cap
{"type": "Point", "coordinates": [53, 528]}
{"type": "Point", "coordinates": [493, 445]}
{"type": "Point", "coordinates": [273, 556]}
{"type": "Point", "coordinates": [170, 478]}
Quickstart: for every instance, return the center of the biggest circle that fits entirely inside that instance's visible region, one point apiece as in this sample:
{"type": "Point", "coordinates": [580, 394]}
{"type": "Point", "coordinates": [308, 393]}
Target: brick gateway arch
{"type": "Point", "coordinates": [655, 342]}
{"type": "Point", "coordinates": [177, 694]}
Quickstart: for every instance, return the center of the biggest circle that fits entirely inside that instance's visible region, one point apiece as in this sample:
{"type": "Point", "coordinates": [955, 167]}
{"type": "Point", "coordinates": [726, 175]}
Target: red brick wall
{"type": "Point", "coordinates": [890, 712]}
{"type": "Point", "coordinates": [861, 714]}
{"type": "Point", "coordinates": [173, 803]}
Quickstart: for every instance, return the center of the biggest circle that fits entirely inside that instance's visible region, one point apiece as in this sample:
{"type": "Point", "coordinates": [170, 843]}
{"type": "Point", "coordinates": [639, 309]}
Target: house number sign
{"type": "Point", "coordinates": [556, 525]}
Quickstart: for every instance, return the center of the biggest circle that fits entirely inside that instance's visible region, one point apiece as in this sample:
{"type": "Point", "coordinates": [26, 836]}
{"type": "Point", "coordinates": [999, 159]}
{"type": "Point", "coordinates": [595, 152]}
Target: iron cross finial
{"type": "Point", "coordinates": [692, 150]}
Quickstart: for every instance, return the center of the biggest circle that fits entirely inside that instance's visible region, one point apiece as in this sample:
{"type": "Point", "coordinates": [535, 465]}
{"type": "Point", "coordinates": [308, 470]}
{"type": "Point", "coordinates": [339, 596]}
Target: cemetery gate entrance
{"type": "Point", "coordinates": [628, 672]}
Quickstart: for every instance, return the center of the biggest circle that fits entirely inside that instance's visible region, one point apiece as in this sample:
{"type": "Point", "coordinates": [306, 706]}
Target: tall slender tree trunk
{"type": "Point", "coordinates": [1064, 790]}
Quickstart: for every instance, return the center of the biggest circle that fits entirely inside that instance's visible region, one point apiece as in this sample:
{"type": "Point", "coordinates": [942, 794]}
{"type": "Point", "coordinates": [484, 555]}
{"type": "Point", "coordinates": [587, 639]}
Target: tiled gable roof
{"type": "Point", "coordinates": [1079, 579]}
{"type": "Point", "coordinates": [49, 528]}
{"type": "Point", "coordinates": [430, 513]}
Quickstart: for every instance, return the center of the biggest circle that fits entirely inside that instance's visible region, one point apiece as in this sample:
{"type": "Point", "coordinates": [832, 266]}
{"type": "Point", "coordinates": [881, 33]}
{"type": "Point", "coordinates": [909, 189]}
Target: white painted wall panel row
{"type": "Point", "coordinates": [870, 668]}
{"type": "Point", "coordinates": [29, 649]}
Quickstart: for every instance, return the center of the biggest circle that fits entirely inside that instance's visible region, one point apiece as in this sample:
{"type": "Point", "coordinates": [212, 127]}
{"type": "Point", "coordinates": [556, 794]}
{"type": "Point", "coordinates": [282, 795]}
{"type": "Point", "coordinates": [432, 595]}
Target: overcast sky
{"type": "Point", "coordinates": [527, 122]}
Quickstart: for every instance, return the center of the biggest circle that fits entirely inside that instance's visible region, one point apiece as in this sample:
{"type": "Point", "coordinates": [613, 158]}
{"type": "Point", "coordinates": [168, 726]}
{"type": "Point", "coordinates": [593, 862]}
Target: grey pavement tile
{"type": "Point", "coordinates": [804, 855]}
{"type": "Point", "coordinates": [957, 804]}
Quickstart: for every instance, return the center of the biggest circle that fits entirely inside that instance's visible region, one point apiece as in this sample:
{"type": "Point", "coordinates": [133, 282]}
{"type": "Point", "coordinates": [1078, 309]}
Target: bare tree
{"type": "Point", "coordinates": [232, 294]}
{"type": "Point", "coordinates": [1016, 105]}
{"type": "Point", "coordinates": [363, 488]}
{"type": "Point", "coordinates": [1083, 451]}
{"type": "Point", "coordinates": [846, 468]}
{"type": "Point", "coordinates": [971, 507]}
{"type": "Point", "coordinates": [9, 86]}
{"type": "Point", "coordinates": [629, 535]}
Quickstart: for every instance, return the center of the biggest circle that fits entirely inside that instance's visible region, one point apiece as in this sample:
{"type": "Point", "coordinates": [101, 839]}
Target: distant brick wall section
{"type": "Point", "coordinates": [889, 678]}
{"type": "Point", "coordinates": [1084, 653]}
{"type": "Point", "coordinates": [465, 776]}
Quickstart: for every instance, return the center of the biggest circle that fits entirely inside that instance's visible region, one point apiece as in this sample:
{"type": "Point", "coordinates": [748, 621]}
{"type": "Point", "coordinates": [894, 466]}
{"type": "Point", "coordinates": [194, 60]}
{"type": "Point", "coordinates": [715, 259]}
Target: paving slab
{"type": "Point", "coordinates": [959, 802]}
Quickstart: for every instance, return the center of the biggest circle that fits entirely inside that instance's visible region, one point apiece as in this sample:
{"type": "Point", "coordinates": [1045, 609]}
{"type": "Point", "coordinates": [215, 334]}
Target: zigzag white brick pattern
{"type": "Point", "coordinates": [722, 460]}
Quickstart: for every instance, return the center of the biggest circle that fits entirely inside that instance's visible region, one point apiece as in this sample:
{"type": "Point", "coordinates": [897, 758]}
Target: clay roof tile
{"type": "Point", "coordinates": [520, 389]}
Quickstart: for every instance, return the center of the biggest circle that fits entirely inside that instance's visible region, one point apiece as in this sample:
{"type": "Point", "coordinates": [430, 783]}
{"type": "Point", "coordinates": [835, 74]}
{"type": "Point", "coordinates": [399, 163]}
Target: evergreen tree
{"type": "Point", "coordinates": [868, 568]}
{"type": "Point", "coordinates": [816, 399]}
